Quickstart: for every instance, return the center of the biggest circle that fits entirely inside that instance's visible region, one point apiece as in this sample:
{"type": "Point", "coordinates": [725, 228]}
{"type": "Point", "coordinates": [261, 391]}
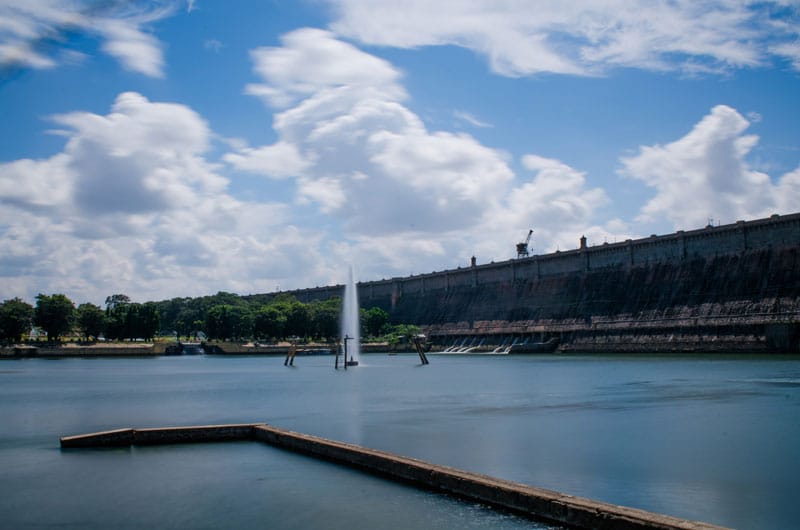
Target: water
{"type": "Point", "coordinates": [351, 321]}
{"type": "Point", "coordinates": [708, 438]}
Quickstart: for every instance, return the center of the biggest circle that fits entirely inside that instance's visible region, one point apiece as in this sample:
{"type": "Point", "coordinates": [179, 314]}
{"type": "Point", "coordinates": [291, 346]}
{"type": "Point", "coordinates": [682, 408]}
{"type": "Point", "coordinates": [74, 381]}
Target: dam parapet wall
{"type": "Point", "coordinates": [712, 241]}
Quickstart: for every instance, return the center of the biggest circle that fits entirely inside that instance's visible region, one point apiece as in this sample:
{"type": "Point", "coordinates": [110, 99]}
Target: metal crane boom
{"type": "Point", "coordinates": [522, 248]}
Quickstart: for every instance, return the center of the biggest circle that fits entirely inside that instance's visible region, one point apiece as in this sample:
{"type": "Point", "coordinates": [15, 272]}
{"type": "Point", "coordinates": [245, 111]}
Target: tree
{"type": "Point", "coordinates": [116, 300]}
{"type": "Point", "coordinates": [324, 317]}
{"type": "Point", "coordinates": [54, 314]}
{"type": "Point", "coordinates": [186, 321]}
{"type": "Point", "coordinates": [126, 320]}
{"type": "Point", "coordinates": [225, 321]}
{"type": "Point", "coordinates": [90, 320]}
{"type": "Point", "coordinates": [375, 319]}
{"type": "Point", "coordinates": [401, 332]}
{"type": "Point", "coordinates": [117, 318]}
{"type": "Point", "coordinates": [16, 316]}
{"type": "Point", "coordinates": [268, 321]}
{"type": "Point", "coordinates": [298, 319]}
{"type": "Point", "coordinates": [150, 321]}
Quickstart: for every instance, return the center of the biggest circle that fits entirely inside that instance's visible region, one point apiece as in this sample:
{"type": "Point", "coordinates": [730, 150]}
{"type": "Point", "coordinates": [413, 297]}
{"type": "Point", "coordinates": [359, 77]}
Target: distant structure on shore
{"type": "Point", "coordinates": [730, 288]}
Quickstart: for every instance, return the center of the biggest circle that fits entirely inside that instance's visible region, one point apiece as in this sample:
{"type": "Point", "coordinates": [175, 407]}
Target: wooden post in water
{"type": "Point", "coordinates": [420, 349]}
{"type": "Point", "coordinates": [289, 361]}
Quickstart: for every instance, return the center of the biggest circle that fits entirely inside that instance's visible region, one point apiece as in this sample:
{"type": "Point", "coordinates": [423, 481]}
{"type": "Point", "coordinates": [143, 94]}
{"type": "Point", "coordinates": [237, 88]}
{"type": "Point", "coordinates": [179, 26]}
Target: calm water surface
{"type": "Point", "coordinates": [708, 438]}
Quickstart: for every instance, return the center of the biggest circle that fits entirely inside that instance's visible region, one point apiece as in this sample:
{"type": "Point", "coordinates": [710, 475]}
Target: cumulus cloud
{"type": "Point", "coordinates": [28, 29]}
{"type": "Point", "coordinates": [405, 196]}
{"type": "Point", "coordinates": [311, 60]}
{"type": "Point", "coordinates": [131, 204]}
{"type": "Point", "coordinates": [278, 161]}
{"type": "Point", "coordinates": [557, 203]}
{"type": "Point", "coordinates": [583, 37]}
{"type": "Point", "coordinates": [705, 174]}
{"type": "Point", "coordinates": [366, 158]}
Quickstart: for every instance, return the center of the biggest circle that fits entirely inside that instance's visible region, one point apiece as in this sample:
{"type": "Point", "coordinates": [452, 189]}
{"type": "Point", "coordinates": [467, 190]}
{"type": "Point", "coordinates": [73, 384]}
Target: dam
{"type": "Point", "coordinates": [731, 288]}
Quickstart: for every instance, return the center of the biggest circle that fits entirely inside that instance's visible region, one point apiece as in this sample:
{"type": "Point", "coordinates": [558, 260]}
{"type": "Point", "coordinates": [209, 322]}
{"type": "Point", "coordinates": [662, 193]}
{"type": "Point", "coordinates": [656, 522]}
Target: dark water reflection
{"type": "Point", "coordinates": [708, 438]}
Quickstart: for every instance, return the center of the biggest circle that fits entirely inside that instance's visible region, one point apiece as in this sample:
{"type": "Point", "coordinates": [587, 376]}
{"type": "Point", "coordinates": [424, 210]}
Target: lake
{"type": "Point", "coordinates": [712, 438]}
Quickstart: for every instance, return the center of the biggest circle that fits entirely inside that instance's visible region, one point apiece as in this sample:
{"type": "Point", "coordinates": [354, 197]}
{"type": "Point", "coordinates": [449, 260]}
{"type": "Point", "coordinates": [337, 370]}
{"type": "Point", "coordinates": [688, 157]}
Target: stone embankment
{"type": "Point", "coordinates": [83, 350]}
{"type": "Point", "coordinates": [533, 502]}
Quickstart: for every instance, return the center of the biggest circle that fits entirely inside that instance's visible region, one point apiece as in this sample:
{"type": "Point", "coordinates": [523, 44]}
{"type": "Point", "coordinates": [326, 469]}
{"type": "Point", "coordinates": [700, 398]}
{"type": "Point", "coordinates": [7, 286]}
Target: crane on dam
{"type": "Point", "coordinates": [522, 248]}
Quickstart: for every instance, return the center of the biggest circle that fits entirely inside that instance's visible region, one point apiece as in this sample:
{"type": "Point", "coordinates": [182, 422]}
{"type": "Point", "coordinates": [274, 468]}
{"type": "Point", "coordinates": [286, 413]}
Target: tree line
{"type": "Point", "coordinates": [224, 316]}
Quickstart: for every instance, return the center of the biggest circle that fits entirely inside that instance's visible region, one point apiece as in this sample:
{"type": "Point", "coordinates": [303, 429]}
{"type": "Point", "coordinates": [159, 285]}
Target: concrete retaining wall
{"type": "Point", "coordinates": [533, 502]}
{"type": "Point", "coordinates": [160, 436]}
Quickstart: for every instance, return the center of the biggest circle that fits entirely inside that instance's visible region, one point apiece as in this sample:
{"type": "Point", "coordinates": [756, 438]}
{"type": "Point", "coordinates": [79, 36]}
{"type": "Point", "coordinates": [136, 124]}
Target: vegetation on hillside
{"type": "Point", "coordinates": [223, 316]}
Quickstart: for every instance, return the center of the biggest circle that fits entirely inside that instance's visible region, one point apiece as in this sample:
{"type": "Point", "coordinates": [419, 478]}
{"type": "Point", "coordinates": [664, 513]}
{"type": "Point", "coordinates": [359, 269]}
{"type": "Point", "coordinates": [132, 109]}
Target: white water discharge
{"type": "Point", "coordinates": [350, 319]}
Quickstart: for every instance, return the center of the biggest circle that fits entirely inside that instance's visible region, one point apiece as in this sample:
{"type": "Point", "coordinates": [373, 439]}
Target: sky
{"type": "Point", "coordinates": [166, 149]}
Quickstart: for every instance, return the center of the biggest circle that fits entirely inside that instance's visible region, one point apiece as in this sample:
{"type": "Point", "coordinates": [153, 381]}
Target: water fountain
{"type": "Point", "coordinates": [351, 322]}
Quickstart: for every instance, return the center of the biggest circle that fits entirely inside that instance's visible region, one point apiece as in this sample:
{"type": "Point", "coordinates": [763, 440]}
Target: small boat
{"type": "Point", "coordinates": [351, 362]}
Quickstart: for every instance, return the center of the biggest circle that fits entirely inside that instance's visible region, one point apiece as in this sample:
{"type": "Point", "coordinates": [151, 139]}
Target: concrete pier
{"type": "Point", "coordinates": [533, 502]}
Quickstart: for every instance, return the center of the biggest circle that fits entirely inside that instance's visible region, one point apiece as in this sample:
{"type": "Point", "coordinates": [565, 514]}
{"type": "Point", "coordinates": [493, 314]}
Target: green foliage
{"type": "Point", "coordinates": [127, 320]}
{"type": "Point", "coordinates": [54, 314]}
{"type": "Point", "coordinates": [188, 321]}
{"type": "Point", "coordinates": [399, 333]}
{"type": "Point", "coordinates": [324, 318]}
{"type": "Point", "coordinates": [117, 300]}
{"type": "Point", "coordinates": [225, 316]}
{"type": "Point", "coordinates": [226, 321]}
{"type": "Point", "coordinates": [16, 317]}
{"type": "Point", "coordinates": [147, 321]}
{"type": "Point", "coordinates": [269, 322]}
{"type": "Point", "coordinates": [298, 316]}
{"type": "Point", "coordinates": [374, 321]}
{"type": "Point", "coordinates": [116, 316]}
{"type": "Point", "coordinates": [90, 320]}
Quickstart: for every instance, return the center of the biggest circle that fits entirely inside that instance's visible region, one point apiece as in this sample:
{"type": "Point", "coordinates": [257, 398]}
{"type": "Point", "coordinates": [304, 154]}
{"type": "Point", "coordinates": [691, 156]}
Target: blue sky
{"type": "Point", "coordinates": [163, 149]}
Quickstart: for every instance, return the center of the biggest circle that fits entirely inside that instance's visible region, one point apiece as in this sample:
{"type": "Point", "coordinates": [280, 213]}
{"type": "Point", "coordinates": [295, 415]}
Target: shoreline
{"type": "Point", "coordinates": [627, 348]}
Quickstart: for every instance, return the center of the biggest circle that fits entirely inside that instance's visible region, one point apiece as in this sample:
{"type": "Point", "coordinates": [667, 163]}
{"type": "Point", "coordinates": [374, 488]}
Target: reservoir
{"type": "Point", "coordinates": [711, 438]}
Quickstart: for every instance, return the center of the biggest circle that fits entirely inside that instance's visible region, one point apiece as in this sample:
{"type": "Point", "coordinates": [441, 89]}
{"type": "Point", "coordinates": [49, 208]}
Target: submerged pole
{"type": "Point", "coordinates": [289, 361]}
{"type": "Point", "coordinates": [344, 341]}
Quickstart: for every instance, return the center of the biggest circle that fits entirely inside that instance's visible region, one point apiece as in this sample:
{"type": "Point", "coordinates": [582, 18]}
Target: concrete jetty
{"type": "Point", "coordinates": [537, 503]}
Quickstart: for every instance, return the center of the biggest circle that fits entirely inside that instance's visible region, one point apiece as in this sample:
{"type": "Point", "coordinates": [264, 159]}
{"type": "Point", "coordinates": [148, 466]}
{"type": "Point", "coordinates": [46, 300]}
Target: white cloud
{"type": "Point", "coordinates": [279, 160]}
{"type": "Point", "coordinates": [407, 198]}
{"type": "Point", "coordinates": [583, 37]}
{"type": "Point", "coordinates": [472, 120]}
{"type": "Point", "coordinates": [213, 45]}
{"type": "Point", "coordinates": [136, 50]}
{"type": "Point", "coordinates": [366, 158]}
{"type": "Point", "coordinates": [706, 174]}
{"type": "Point", "coordinates": [556, 203]}
{"type": "Point", "coordinates": [788, 192]}
{"type": "Point", "coordinates": [311, 60]}
{"type": "Point", "coordinates": [26, 25]}
{"type": "Point", "coordinates": [132, 205]}
{"type": "Point", "coordinates": [789, 50]}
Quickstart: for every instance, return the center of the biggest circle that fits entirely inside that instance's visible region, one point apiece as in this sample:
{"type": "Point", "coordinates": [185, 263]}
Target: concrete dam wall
{"type": "Point", "coordinates": [727, 288]}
